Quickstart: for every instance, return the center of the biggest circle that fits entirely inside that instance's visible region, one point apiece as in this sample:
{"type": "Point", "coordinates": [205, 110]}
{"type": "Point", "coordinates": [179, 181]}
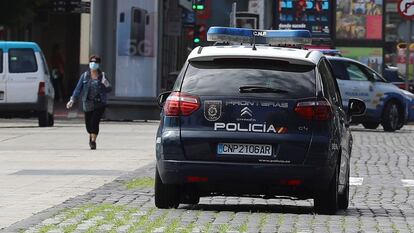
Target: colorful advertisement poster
{"type": "Point", "coordinates": [313, 15]}
{"type": "Point", "coordinates": [359, 19]}
{"type": "Point", "coordinates": [371, 57]}
{"type": "Point", "coordinates": [402, 59]}
{"type": "Point", "coordinates": [136, 63]}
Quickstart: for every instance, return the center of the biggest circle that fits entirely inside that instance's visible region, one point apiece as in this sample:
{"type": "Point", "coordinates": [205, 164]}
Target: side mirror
{"type": "Point", "coordinates": [162, 98]}
{"type": "Point", "coordinates": [356, 107]}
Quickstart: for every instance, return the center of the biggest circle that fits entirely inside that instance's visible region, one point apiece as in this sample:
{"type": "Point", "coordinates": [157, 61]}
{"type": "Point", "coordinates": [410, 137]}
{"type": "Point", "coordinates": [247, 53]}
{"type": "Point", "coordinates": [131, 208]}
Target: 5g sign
{"type": "Point", "coordinates": [141, 48]}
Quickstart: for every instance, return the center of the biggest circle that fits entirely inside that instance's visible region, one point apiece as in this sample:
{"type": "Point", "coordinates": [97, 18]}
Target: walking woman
{"type": "Point", "coordinates": [94, 86]}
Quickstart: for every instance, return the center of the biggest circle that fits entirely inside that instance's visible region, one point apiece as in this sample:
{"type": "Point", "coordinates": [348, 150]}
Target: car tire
{"type": "Point", "coordinates": [43, 118]}
{"type": "Point", "coordinates": [391, 117]}
{"type": "Point", "coordinates": [400, 125]}
{"type": "Point", "coordinates": [370, 125]}
{"type": "Point", "coordinates": [326, 201]}
{"type": "Point", "coordinates": [51, 120]}
{"type": "Point", "coordinates": [343, 199]}
{"type": "Point", "coordinates": [166, 195]}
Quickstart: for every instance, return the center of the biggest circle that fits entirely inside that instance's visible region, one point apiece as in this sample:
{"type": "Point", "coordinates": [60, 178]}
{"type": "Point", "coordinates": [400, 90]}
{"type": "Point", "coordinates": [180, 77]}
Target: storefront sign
{"type": "Point", "coordinates": [359, 20]}
{"type": "Point", "coordinates": [313, 15]}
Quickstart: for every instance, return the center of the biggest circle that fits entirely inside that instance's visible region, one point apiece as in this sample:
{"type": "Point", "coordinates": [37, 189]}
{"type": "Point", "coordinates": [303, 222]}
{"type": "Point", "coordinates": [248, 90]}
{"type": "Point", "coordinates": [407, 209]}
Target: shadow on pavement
{"type": "Point", "coordinates": [291, 209]}
{"type": "Point", "coordinates": [254, 208]}
{"type": "Point", "coordinates": [401, 131]}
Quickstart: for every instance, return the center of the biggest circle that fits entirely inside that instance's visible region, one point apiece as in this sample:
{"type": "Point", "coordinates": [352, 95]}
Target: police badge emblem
{"type": "Point", "coordinates": [212, 110]}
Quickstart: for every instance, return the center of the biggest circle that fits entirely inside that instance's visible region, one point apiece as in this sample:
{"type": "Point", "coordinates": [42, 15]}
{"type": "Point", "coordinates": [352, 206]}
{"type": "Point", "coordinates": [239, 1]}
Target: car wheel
{"type": "Point", "coordinates": [400, 125]}
{"type": "Point", "coordinates": [343, 199]}
{"type": "Point", "coordinates": [326, 202]}
{"type": "Point", "coordinates": [370, 125]}
{"type": "Point", "coordinates": [166, 195]}
{"type": "Point", "coordinates": [51, 120]}
{"type": "Point", "coordinates": [391, 117]}
{"type": "Point", "coordinates": [43, 118]}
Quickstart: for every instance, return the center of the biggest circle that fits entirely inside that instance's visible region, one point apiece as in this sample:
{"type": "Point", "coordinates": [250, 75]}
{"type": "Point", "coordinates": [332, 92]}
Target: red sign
{"type": "Point", "coordinates": [373, 31]}
{"type": "Point", "coordinates": [406, 9]}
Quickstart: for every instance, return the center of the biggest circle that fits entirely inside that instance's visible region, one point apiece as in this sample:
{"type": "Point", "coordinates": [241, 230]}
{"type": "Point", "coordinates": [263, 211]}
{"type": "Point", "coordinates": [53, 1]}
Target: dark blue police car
{"type": "Point", "coordinates": [254, 120]}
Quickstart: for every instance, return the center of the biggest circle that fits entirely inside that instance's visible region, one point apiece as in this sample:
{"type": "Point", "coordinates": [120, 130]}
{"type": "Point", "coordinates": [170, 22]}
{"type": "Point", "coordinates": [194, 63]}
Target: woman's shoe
{"type": "Point", "coordinates": [92, 145]}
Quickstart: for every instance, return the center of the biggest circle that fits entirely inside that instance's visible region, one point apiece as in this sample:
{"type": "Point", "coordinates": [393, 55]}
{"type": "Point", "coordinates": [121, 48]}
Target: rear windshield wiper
{"type": "Point", "coordinates": [260, 89]}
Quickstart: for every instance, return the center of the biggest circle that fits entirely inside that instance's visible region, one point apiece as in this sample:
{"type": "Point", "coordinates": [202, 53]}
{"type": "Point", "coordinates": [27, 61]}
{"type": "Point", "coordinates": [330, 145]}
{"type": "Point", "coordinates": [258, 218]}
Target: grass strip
{"type": "Point", "coordinates": [70, 228]}
{"type": "Point", "coordinates": [156, 223]}
{"type": "Point", "coordinates": [143, 182]}
{"type": "Point", "coordinates": [244, 226]}
{"type": "Point", "coordinates": [263, 221]}
{"type": "Point", "coordinates": [189, 228]}
{"type": "Point", "coordinates": [172, 228]}
{"type": "Point", "coordinates": [141, 222]}
{"type": "Point", "coordinates": [207, 227]}
{"type": "Point", "coordinates": [223, 228]}
{"type": "Point", "coordinates": [46, 228]}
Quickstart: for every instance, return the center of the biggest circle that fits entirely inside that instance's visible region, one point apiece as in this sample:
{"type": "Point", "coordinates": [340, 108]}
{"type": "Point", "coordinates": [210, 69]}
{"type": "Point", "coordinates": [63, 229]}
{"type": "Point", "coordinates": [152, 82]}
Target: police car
{"type": "Point", "coordinates": [386, 104]}
{"type": "Point", "coordinates": [248, 119]}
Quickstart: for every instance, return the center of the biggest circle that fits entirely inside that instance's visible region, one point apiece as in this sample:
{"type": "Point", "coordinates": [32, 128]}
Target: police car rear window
{"type": "Point", "coordinates": [225, 77]}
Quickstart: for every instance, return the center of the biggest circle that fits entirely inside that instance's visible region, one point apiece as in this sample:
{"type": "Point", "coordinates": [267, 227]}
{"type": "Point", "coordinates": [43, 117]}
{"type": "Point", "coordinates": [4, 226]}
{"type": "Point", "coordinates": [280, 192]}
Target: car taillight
{"type": "Point", "coordinates": [42, 89]}
{"type": "Point", "coordinates": [401, 85]}
{"type": "Point", "coordinates": [319, 110]}
{"type": "Point", "coordinates": [181, 104]}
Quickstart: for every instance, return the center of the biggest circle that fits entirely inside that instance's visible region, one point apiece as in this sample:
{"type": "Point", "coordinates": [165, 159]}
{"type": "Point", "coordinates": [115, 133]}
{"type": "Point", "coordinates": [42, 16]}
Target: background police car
{"type": "Point", "coordinates": [386, 103]}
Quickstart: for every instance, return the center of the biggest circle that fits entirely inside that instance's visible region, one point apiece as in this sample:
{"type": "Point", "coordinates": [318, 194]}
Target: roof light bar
{"type": "Point", "coordinates": [252, 36]}
{"type": "Point", "coordinates": [331, 52]}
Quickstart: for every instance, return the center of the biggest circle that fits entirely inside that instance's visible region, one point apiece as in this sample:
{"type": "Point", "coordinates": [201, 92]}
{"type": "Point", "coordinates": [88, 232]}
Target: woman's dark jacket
{"type": "Point", "coordinates": [83, 88]}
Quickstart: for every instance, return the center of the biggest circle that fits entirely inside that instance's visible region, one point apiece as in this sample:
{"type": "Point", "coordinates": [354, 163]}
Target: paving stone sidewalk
{"type": "Point", "coordinates": [381, 203]}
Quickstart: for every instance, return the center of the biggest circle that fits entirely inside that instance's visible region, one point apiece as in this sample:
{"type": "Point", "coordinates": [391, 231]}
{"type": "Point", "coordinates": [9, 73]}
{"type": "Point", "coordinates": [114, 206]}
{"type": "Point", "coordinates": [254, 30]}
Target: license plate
{"type": "Point", "coordinates": [244, 149]}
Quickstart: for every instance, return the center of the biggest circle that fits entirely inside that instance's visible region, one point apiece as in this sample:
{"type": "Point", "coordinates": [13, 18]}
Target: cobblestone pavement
{"type": "Point", "coordinates": [382, 200]}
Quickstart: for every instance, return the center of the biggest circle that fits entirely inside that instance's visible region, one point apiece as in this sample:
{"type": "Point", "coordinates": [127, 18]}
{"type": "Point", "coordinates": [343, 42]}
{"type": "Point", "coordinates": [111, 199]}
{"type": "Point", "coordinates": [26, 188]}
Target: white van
{"type": "Point", "coordinates": [25, 86]}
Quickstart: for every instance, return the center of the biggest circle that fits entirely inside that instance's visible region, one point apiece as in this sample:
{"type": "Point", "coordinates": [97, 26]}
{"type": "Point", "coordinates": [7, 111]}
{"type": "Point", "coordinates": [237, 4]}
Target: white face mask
{"type": "Point", "coordinates": [93, 65]}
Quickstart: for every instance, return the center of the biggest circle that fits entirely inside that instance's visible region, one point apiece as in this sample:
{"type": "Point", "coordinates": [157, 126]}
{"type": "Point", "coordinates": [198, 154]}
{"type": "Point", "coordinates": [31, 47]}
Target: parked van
{"type": "Point", "coordinates": [25, 86]}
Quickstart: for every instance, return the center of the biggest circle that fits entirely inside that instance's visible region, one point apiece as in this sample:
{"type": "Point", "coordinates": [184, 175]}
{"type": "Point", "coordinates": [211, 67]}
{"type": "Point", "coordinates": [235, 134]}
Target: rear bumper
{"type": "Point", "coordinates": [247, 178]}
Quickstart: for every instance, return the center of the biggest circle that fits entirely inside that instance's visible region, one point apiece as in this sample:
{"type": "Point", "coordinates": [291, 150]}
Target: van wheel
{"type": "Point", "coordinates": [326, 202]}
{"type": "Point", "coordinates": [391, 117]}
{"type": "Point", "coordinates": [51, 120]}
{"type": "Point", "coordinates": [43, 118]}
{"type": "Point", "coordinates": [166, 195]}
{"type": "Point", "coordinates": [343, 199]}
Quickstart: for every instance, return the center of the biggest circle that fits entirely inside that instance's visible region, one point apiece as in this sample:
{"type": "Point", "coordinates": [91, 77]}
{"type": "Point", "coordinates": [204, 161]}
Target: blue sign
{"type": "Point", "coordinates": [188, 17]}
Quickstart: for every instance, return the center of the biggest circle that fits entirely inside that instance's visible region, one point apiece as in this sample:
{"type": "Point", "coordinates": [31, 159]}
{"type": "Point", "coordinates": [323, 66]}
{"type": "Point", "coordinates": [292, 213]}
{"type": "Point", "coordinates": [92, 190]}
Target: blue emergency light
{"type": "Point", "coordinates": [330, 52]}
{"type": "Point", "coordinates": [252, 36]}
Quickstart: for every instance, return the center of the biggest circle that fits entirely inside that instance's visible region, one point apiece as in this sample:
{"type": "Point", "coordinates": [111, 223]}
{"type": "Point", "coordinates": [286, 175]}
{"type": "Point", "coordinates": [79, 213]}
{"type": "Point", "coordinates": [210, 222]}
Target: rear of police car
{"type": "Point", "coordinates": [244, 120]}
